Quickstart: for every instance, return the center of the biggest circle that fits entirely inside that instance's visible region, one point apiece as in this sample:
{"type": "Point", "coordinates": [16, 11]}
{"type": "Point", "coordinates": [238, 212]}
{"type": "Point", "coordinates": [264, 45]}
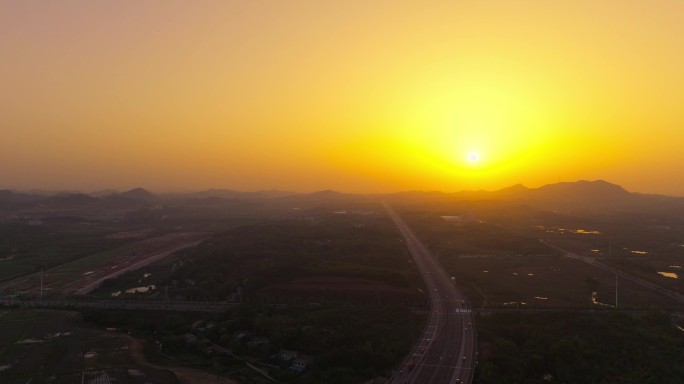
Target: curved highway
{"type": "Point", "coordinates": [447, 350]}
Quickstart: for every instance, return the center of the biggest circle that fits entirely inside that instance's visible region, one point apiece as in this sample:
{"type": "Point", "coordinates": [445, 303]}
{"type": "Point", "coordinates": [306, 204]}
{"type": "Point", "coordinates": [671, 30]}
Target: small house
{"type": "Point", "coordinates": [286, 355]}
{"type": "Point", "coordinates": [301, 363]}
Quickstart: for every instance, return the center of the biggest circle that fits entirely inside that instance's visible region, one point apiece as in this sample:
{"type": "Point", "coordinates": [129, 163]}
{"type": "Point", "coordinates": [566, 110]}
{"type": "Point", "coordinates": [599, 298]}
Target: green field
{"type": "Point", "coordinates": [67, 273]}
{"type": "Point", "coordinates": [546, 282]}
{"type": "Point", "coordinates": [25, 249]}
{"type": "Point", "coordinates": [502, 263]}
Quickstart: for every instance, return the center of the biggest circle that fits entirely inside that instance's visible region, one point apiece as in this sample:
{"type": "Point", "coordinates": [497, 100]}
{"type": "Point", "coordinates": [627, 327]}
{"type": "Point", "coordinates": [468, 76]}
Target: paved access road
{"type": "Point", "coordinates": [193, 306]}
{"type": "Point", "coordinates": [447, 349]}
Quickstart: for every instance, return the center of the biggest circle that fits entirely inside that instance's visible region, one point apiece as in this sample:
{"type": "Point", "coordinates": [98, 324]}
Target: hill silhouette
{"type": "Point", "coordinates": [582, 195]}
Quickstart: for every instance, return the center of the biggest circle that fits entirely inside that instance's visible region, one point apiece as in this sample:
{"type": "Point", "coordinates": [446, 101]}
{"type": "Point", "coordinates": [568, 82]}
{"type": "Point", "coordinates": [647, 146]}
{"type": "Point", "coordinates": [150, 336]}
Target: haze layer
{"type": "Point", "coordinates": [356, 95]}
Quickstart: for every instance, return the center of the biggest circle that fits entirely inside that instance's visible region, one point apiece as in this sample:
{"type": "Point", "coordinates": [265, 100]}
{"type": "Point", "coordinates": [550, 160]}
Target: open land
{"type": "Point", "coordinates": [85, 274]}
{"type": "Point", "coordinates": [502, 263]}
{"type": "Point", "coordinates": [330, 277]}
{"type": "Point", "coordinates": [55, 346]}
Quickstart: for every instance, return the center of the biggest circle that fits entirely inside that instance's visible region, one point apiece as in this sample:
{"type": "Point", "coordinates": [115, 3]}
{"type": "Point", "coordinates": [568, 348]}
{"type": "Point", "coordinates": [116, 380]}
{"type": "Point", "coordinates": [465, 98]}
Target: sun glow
{"type": "Point", "coordinates": [355, 96]}
{"type": "Point", "coordinates": [474, 157]}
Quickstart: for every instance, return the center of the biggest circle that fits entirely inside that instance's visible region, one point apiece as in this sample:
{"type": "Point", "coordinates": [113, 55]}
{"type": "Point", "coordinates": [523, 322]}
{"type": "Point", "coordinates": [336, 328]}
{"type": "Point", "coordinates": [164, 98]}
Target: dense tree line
{"type": "Point", "coordinates": [349, 345]}
{"type": "Point", "coordinates": [258, 255]}
{"type": "Point", "coordinates": [579, 348]}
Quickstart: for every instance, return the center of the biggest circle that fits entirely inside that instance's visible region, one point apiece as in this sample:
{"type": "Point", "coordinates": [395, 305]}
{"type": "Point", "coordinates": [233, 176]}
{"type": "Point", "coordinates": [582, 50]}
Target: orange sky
{"type": "Point", "coordinates": [358, 96]}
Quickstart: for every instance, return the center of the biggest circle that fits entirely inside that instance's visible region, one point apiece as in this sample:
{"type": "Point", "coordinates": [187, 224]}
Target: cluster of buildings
{"type": "Point", "coordinates": [293, 360]}
{"type": "Point", "coordinates": [299, 363]}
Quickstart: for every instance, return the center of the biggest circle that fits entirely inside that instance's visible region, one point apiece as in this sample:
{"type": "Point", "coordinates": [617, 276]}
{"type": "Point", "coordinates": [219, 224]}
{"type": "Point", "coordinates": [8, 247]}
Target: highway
{"type": "Point", "coordinates": [447, 350]}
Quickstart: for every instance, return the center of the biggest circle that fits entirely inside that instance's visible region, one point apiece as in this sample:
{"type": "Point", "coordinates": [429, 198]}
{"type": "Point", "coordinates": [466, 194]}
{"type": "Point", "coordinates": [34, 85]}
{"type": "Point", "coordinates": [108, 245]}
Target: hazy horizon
{"type": "Point", "coordinates": [182, 191]}
{"type": "Point", "coordinates": [355, 96]}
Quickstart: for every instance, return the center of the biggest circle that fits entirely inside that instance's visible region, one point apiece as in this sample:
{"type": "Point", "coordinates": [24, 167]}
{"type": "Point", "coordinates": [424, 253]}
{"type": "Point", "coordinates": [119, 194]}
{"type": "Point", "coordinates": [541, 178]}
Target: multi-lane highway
{"type": "Point", "coordinates": [447, 350]}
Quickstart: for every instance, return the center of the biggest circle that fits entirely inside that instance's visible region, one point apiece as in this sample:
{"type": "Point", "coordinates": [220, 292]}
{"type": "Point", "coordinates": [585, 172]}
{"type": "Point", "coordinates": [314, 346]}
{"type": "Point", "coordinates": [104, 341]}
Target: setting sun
{"type": "Point", "coordinates": [356, 96]}
{"type": "Point", "coordinates": [258, 169]}
{"type": "Point", "coordinates": [474, 157]}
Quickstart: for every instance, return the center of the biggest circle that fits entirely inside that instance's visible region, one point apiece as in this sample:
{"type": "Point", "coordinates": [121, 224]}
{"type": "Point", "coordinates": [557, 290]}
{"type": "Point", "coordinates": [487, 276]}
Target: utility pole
{"type": "Point", "coordinates": [610, 247]}
{"type": "Point", "coordinates": [616, 291]}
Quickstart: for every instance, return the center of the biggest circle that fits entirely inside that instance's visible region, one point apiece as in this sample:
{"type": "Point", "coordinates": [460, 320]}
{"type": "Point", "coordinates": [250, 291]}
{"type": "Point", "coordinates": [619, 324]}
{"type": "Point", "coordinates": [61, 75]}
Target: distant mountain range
{"type": "Point", "coordinates": [16, 201]}
{"type": "Point", "coordinates": [588, 194]}
{"type": "Point", "coordinates": [580, 195]}
{"type": "Point", "coordinates": [230, 194]}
